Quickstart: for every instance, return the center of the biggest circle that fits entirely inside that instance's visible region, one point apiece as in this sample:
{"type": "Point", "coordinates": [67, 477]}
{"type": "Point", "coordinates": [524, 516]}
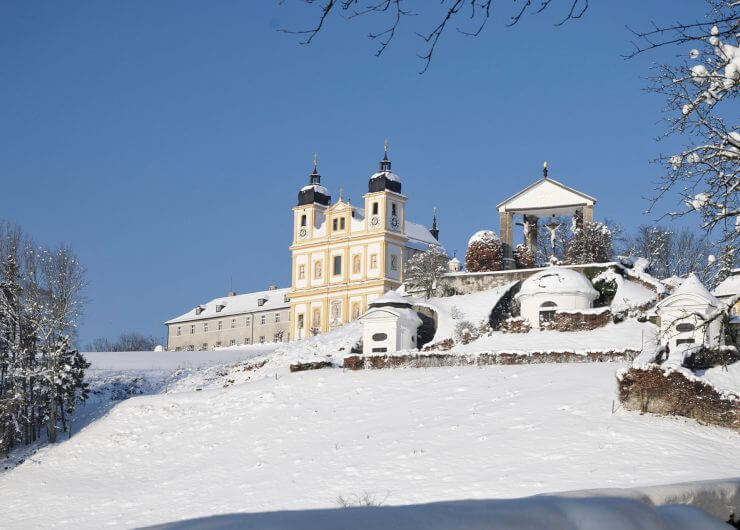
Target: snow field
{"type": "Point", "coordinates": [402, 436]}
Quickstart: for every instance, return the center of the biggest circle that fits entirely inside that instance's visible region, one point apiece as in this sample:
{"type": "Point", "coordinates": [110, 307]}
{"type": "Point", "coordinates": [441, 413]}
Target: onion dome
{"type": "Point", "coordinates": [385, 179]}
{"type": "Point", "coordinates": [314, 192]}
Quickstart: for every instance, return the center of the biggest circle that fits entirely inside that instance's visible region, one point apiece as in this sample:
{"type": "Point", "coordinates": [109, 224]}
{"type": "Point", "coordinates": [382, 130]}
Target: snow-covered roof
{"type": "Point", "coordinates": [730, 286]}
{"type": "Point", "coordinates": [233, 305]}
{"type": "Point", "coordinates": [391, 298]}
{"type": "Point", "coordinates": [316, 187]}
{"type": "Point", "coordinates": [691, 287]}
{"type": "Point", "coordinates": [387, 174]}
{"type": "Point", "coordinates": [419, 234]}
{"type": "Point", "coordinates": [455, 260]}
{"type": "Point", "coordinates": [482, 235]}
{"type": "Point", "coordinates": [404, 314]}
{"type": "Point", "coordinates": [558, 280]}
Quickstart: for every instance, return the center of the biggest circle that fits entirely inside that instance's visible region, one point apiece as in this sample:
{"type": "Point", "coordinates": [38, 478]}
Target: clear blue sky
{"type": "Point", "coordinates": [166, 141]}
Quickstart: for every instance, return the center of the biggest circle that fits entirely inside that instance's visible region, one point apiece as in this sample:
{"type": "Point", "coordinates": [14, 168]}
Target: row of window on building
{"type": "Point", "coordinates": [220, 324]}
{"type": "Point", "coordinates": [337, 268]}
{"type": "Point", "coordinates": [205, 346]}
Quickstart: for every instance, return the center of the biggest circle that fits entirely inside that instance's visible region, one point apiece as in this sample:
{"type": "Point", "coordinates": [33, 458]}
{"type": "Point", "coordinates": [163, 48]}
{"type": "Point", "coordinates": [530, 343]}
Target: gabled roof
{"type": "Point", "coordinates": [235, 305]}
{"type": "Point", "coordinates": [730, 286]}
{"type": "Point", "coordinates": [419, 235]}
{"type": "Point", "coordinates": [579, 196]}
{"type": "Point", "coordinates": [692, 289]}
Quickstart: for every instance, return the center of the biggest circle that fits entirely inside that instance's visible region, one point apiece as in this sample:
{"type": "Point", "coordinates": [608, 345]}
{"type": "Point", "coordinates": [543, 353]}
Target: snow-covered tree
{"type": "Point", "coordinates": [726, 263]}
{"type": "Point", "coordinates": [591, 243]}
{"type": "Point", "coordinates": [484, 252]}
{"type": "Point", "coordinates": [701, 94]}
{"type": "Point", "coordinates": [424, 269]}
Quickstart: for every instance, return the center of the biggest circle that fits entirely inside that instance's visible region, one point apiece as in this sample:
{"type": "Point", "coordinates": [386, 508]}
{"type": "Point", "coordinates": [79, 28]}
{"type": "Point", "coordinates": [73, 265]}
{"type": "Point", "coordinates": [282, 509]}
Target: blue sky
{"type": "Point", "coordinates": [166, 141]}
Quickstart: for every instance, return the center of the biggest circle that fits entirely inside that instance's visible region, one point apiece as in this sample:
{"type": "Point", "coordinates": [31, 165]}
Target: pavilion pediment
{"type": "Point", "coordinates": [546, 197]}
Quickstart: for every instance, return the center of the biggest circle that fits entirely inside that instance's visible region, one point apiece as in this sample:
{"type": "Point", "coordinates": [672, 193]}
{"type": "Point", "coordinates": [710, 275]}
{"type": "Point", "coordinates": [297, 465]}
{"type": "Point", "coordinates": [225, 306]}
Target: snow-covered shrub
{"type": "Point", "coordinates": [607, 289]}
{"type": "Point", "coordinates": [484, 252]}
{"type": "Point", "coordinates": [523, 257]}
{"type": "Point", "coordinates": [591, 243]}
{"type": "Point", "coordinates": [466, 331]}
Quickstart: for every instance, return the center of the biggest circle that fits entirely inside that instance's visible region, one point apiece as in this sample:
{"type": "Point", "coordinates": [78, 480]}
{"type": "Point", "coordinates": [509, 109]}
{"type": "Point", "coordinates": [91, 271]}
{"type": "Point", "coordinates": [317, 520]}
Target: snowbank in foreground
{"type": "Point", "coordinates": [298, 442]}
{"type": "Point", "coordinates": [550, 512]}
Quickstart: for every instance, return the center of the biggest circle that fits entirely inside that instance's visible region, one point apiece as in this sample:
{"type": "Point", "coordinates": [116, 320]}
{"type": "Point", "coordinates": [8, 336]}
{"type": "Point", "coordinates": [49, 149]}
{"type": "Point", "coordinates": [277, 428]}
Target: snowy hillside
{"type": "Point", "coordinates": [302, 440]}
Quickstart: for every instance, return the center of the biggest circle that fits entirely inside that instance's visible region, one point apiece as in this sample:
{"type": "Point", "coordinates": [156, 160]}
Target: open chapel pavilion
{"type": "Point", "coordinates": [543, 199]}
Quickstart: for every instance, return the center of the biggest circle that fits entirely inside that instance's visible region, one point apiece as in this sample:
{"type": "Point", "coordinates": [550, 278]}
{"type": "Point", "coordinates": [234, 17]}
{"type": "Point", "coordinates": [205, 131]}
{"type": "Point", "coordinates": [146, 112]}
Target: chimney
{"type": "Point", "coordinates": [231, 293]}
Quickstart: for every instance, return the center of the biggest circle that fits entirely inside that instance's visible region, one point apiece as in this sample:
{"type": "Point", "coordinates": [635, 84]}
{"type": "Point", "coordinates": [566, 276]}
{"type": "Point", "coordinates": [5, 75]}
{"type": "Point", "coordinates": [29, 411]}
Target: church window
{"type": "Point", "coordinates": [374, 261]}
{"type": "Point", "coordinates": [179, 331]}
{"type": "Point", "coordinates": [262, 339]}
{"type": "Point", "coordinates": [301, 318]}
{"type": "Point", "coordinates": [263, 319]}
{"type": "Point", "coordinates": [205, 327]}
{"type": "Point", "coordinates": [192, 329]}
{"type": "Point", "coordinates": [277, 317]}
{"type": "Point", "coordinates": [248, 321]}
{"type": "Point", "coordinates": [337, 265]}
{"type": "Point", "coordinates": [232, 342]}
{"type": "Point", "coordinates": [317, 270]}
{"type": "Point", "coordinates": [303, 220]}
{"type": "Point", "coordinates": [341, 223]}
{"type": "Point", "coordinates": [334, 224]}
{"type": "Point", "coordinates": [220, 325]}
{"type": "Point", "coordinates": [356, 264]}
{"type": "Point", "coordinates": [301, 272]}
{"type": "Point", "coordinates": [394, 262]}
{"type": "Point", "coordinates": [393, 209]}
{"type": "Point", "coordinates": [375, 208]}
{"type": "Point", "coordinates": [247, 340]}
{"type": "Point", "coordinates": [233, 323]}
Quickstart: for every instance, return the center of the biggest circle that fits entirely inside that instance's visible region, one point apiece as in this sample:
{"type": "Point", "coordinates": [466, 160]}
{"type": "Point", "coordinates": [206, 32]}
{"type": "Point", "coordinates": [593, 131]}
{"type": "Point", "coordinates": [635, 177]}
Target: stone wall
{"type": "Point", "coordinates": [576, 321]}
{"type": "Point", "coordinates": [454, 283]}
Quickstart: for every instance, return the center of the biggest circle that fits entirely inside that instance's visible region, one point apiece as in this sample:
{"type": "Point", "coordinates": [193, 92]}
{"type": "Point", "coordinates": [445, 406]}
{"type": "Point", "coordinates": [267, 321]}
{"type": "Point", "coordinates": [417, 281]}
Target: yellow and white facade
{"type": "Point", "coordinates": [345, 256]}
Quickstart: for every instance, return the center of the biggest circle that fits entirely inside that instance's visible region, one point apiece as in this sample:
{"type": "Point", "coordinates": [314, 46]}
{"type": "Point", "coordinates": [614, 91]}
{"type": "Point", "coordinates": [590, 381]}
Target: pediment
{"type": "Point", "coordinates": [546, 195]}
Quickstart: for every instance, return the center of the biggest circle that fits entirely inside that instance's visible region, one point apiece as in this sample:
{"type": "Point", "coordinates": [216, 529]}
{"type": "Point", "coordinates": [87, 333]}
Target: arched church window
{"type": "Point", "coordinates": [303, 220]}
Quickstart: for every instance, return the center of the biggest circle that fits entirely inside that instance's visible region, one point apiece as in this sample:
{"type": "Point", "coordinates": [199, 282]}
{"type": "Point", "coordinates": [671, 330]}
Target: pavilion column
{"type": "Point", "coordinates": [506, 224]}
{"type": "Point", "coordinates": [588, 213]}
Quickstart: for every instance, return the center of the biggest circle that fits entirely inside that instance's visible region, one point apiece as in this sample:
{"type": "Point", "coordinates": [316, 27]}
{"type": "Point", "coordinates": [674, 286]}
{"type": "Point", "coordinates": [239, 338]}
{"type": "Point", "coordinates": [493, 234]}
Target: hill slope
{"type": "Point", "coordinates": [401, 436]}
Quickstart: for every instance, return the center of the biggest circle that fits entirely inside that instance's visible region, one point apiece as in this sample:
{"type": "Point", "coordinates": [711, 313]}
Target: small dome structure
{"type": "Point", "coordinates": [314, 192]}
{"type": "Point", "coordinates": [552, 289]}
{"type": "Point", "coordinates": [482, 235]}
{"type": "Point", "coordinates": [454, 265]}
{"type": "Point", "coordinates": [390, 324]}
{"type": "Point", "coordinates": [384, 179]}
{"type": "Point", "coordinates": [683, 315]}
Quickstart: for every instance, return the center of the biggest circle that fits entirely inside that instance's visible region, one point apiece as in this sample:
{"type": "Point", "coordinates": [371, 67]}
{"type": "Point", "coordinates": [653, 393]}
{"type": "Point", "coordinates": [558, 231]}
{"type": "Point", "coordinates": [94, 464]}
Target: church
{"type": "Point", "coordinates": [345, 256]}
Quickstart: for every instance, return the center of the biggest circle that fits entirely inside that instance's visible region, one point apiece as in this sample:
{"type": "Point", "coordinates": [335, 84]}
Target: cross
{"type": "Point", "coordinates": [315, 161]}
{"type": "Point", "coordinates": [340, 193]}
{"type": "Point", "coordinates": [385, 146]}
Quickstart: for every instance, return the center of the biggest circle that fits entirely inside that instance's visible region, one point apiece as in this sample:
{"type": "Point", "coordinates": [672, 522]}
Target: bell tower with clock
{"type": "Point", "coordinates": [313, 200]}
{"type": "Point", "coordinates": [385, 205]}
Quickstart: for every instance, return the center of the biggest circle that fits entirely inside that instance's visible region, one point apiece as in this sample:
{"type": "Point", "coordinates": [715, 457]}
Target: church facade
{"type": "Point", "coordinates": [344, 256]}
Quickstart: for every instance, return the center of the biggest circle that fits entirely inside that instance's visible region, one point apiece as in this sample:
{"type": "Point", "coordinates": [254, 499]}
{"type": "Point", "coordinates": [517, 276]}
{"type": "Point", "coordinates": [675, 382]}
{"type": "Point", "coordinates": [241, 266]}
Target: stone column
{"type": "Point", "coordinates": [506, 224]}
{"type": "Point", "coordinates": [588, 214]}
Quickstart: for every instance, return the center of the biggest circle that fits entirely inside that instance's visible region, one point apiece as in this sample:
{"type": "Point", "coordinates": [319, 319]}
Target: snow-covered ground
{"type": "Point", "coordinates": [296, 441]}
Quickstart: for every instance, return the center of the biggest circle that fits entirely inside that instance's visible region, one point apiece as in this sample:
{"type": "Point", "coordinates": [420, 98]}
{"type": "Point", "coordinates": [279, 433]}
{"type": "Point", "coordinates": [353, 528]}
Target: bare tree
{"type": "Point", "coordinates": [700, 91]}
{"type": "Point", "coordinates": [472, 14]}
{"type": "Point", "coordinates": [424, 269]}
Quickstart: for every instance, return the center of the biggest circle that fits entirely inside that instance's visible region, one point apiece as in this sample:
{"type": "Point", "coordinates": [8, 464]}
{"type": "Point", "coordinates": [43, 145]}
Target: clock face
{"type": "Point", "coordinates": [302, 232]}
{"type": "Point", "coordinates": [375, 221]}
{"type": "Point", "coordinates": [394, 221]}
